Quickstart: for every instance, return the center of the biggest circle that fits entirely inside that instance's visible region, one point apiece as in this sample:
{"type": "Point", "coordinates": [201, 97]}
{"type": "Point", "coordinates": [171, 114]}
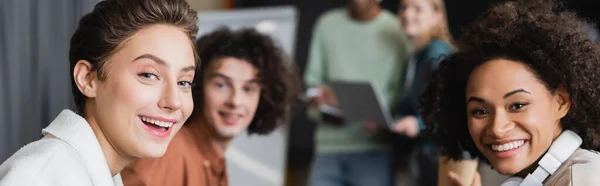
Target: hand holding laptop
{"type": "Point", "coordinates": [324, 99]}
{"type": "Point", "coordinates": [407, 125]}
{"type": "Point", "coordinates": [321, 94]}
{"type": "Point", "coordinates": [361, 102]}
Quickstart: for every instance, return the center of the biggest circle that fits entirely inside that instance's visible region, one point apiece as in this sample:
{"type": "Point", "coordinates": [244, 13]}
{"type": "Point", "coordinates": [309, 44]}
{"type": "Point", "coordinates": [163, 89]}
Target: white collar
{"type": "Point", "coordinates": [561, 149]}
{"type": "Point", "coordinates": [76, 131]}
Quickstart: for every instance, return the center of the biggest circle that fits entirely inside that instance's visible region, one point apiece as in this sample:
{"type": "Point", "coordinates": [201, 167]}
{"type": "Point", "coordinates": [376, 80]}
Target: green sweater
{"type": "Point", "coordinates": [348, 50]}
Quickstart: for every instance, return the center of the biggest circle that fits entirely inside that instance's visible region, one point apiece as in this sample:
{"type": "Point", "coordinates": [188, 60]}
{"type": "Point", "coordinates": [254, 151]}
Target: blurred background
{"type": "Point", "coordinates": [34, 72]}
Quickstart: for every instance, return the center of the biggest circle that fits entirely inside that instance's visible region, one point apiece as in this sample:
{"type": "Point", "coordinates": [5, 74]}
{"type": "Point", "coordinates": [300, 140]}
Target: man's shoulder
{"type": "Point", "coordinates": [332, 15]}
{"type": "Point", "coordinates": [389, 16]}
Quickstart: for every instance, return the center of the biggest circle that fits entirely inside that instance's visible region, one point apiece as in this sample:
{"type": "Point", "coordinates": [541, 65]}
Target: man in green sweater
{"type": "Point", "coordinates": [360, 42]}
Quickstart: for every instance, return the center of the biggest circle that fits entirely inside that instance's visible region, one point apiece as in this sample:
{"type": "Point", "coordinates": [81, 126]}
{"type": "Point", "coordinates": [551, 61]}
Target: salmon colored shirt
{"type": "Point", "coordinates": [190, 160]}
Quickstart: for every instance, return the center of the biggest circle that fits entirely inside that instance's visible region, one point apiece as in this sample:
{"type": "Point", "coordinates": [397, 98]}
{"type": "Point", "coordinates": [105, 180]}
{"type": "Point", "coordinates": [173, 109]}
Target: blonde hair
{"type": "Point", "coordinates": [440, 31]}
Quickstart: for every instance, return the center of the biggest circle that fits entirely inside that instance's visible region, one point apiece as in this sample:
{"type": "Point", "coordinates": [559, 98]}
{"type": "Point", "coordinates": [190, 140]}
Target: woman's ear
{"type": "Point", "coordinates": [563, 100]}
{"type": "Point", "coordinates": [85, 78]}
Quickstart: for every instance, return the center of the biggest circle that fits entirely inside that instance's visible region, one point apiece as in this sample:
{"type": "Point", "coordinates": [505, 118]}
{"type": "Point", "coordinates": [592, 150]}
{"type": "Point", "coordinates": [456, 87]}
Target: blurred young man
{"type": "Point", "coordinates": [244, 82]}
{"type": "Point", "coordinates": [360, 42]}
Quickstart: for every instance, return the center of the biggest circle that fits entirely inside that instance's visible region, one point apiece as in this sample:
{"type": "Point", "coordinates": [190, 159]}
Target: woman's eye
{"type": "Point", "coordinates": [517, 106]}
{"type": "Point", "coordinates": [249, 89]}
{"type": "Point", "coordinates": [148, 75]}
{"type": "Point", "coordinates": [185, 84]}
{"type": "Point", "coordinates": [479, 112]}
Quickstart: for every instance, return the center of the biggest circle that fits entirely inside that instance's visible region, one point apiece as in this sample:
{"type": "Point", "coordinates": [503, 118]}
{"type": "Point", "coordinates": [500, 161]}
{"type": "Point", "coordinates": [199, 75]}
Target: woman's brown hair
{"type": "Point", "coordinates": [440, 31]}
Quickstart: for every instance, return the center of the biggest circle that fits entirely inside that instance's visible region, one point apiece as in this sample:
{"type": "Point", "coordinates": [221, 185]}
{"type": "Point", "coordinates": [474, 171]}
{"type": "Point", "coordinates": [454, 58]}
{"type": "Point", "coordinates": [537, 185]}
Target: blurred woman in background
{"type": "Point", "coordinates": [424, 21]}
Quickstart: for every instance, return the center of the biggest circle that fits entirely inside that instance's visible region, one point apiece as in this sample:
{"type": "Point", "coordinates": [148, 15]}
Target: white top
{"type": "Point", "coordinates": [68, 155]}
{"type": "Point", "coordinates": [581, 169]}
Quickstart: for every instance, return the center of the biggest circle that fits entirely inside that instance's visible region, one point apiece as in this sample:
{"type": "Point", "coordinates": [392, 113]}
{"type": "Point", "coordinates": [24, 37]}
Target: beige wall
{"type": "Point", "coordinates": [206, 4]}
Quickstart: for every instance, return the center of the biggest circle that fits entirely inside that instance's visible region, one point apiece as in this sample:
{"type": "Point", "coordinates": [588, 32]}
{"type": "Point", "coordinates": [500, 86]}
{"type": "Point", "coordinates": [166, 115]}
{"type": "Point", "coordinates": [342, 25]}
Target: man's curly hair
{"type": "Point", "coordinates": [276, 73]}
{"type": "Point", "coordinates": [539, 33]}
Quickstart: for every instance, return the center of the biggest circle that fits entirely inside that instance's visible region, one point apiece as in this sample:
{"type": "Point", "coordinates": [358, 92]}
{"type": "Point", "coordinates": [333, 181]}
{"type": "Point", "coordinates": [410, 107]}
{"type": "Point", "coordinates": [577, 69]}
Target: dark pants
{"type": "Point", "coordinates": [372, 168]}
{"type": "Point", "coordinates": [424, 166]}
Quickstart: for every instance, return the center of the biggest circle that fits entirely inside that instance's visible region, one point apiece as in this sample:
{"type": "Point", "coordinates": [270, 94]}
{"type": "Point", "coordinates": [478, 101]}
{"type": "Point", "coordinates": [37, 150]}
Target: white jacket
{"type": "Point", "coordinates": [68, 155]}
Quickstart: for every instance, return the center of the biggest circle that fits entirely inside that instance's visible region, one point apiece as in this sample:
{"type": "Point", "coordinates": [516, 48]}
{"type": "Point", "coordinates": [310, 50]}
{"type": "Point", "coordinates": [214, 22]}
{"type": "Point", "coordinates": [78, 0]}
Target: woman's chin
{"type": "Point", "coordinates": [156, 151]}
{"type": "Point", "coordinates": [507, 168]}
{"type": "Point", "coordinates": [411, 33]}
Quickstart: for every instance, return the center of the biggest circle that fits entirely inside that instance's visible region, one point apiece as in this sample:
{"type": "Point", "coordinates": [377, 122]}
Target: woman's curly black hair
{"type": "Point", "coordinates": [539, 33]}
{"type": "Point", "coordinates": [277, 74]}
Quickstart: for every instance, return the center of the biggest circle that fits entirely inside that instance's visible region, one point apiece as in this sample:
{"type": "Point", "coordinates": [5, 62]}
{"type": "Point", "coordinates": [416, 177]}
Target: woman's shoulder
{"type": "Point", "coordinates": [587, 158]}
{"type": "Point", "coordinates": [40, 151]}
{"type": "Point", "coordinates": [585, 168]}
{"type": "Point", "coordinates": [436, 48]}
{"type": "Point", "coordinates": [585, 154]}
{"type": "Point", "coordinates": [41, 160]}
{"type": "Point", "coordinates": [435, 51]}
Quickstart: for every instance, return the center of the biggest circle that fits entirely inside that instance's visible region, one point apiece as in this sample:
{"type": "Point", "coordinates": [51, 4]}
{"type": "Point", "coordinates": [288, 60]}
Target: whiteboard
{"type": "Point", "coordinates": [278, 22]}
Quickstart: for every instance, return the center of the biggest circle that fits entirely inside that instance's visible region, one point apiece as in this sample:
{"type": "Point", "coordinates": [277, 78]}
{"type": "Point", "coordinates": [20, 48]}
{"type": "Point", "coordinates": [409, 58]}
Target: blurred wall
{"type": "Point", "coordinates": [206, 4]}
{"type": "Point", "coordinates": [34, 66]}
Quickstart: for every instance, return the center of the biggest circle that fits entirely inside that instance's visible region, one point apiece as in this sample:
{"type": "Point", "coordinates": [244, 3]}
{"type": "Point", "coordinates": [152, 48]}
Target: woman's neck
{"type": "Point", "coordinates": [532, 167]}
{"type": "Point", "coordinates": [528, 170]}
{"type": "Point", "coordinates": [116, 161]}
{"type": "Point", "coordinates": [535, 165]}
{"type": "Point", "coordinates": [419, 41]}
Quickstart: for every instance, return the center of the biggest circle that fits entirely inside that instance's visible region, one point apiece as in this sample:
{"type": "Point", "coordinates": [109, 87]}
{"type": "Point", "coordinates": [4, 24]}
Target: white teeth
{"type": "Point", "coordinates": [156, 122]}
{"type": "Point", "coordinates": [508, 146]}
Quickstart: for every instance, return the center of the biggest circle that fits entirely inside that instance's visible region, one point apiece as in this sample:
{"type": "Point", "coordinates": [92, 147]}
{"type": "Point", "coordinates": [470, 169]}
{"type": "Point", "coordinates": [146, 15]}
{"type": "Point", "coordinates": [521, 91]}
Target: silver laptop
{"type": "Point", "coordinates": [362, 101]}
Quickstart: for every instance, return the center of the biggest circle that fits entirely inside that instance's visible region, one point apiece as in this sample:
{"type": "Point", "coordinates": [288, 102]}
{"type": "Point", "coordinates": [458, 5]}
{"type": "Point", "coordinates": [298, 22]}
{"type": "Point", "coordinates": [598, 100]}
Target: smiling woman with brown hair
{"type": "Point", "coordinates": [522, 89]}
{"type": "Point", "coordinates": [132, 66]}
